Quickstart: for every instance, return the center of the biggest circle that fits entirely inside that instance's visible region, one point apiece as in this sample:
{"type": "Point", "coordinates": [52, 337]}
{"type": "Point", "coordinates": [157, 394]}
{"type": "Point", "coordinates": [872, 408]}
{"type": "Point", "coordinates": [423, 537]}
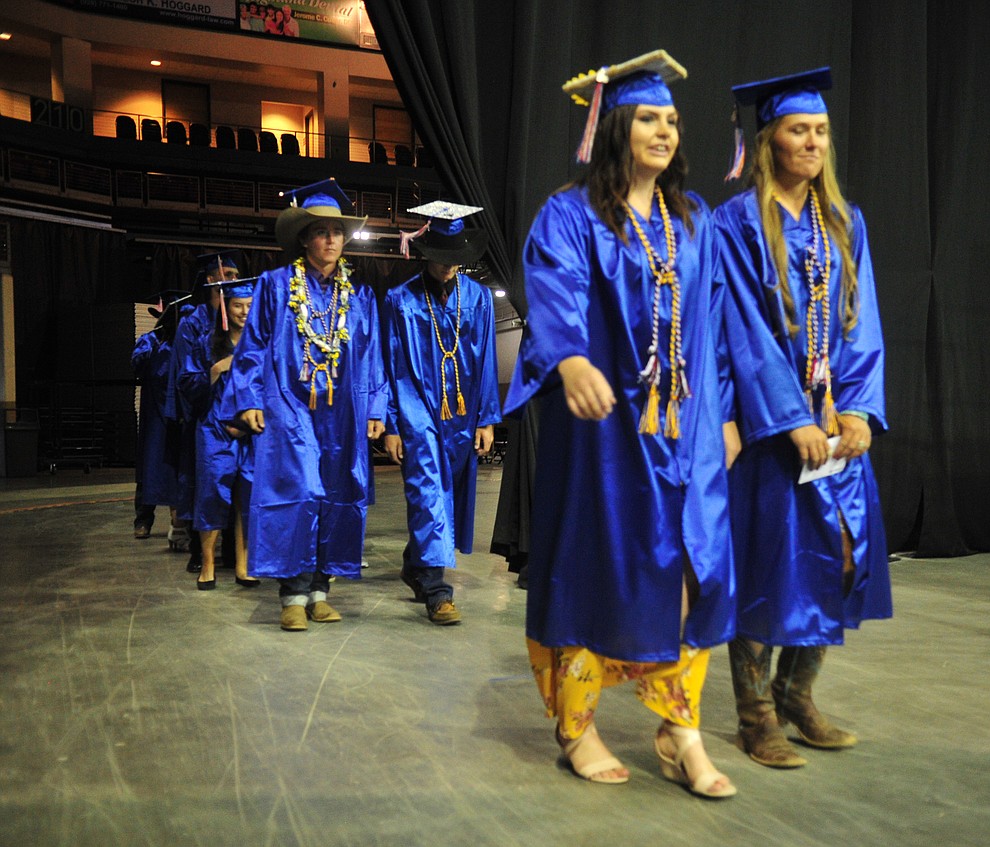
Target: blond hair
{"type": "Point", "coordinates": [838, 222]}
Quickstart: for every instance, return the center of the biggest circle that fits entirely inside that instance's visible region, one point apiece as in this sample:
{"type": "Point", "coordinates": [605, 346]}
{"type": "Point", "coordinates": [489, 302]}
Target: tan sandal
{"type": "Point", "coordinates": [684, 739]}
{"type": "Point", "coordinates": [591, 771]}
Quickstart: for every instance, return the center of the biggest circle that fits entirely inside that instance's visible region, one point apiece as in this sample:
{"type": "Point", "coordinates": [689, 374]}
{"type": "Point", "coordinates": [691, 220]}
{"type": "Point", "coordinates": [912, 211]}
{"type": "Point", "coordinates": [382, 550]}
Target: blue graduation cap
{"type": "Point", "coordinates": [318, 202]}
{"type": "Point", "coordinates": [794, 94]}
{"type": "Point", "coordinates": [786, 95]}
{"type": "Point", "coordinates": [209, 264]}
{"type": "Point", "coordinates": [640, 81]}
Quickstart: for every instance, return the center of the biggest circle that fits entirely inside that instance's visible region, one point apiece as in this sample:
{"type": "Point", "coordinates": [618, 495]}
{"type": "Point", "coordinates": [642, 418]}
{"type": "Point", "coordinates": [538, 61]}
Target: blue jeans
{"type": "Point", "coordinates": [429, 580]}
{"type": "Point", "coordinates": [299, 590]}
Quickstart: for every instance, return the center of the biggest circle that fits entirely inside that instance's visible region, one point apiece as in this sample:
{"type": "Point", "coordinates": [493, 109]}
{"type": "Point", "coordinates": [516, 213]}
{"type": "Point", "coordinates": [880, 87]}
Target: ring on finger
{"type": "Point", "coordinates": [860, 444]}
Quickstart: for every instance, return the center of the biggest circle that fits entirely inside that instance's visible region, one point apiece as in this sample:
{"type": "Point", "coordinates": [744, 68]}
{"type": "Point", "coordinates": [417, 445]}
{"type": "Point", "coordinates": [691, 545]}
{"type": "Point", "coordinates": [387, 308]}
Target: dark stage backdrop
{"type": "Point", "coordinates": [482, 82]}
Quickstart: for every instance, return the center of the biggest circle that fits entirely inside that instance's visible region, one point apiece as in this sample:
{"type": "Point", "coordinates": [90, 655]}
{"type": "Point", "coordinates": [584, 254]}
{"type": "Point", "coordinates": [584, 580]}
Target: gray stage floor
{"type": "Point", "coordinates": [136, 710]}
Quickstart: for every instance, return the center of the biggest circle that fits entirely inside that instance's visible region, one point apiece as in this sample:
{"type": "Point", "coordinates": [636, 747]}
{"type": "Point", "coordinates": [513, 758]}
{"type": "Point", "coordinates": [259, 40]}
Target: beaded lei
{"type": "Point", "coordinates": [332, 322]}
{"type": "Point", "coordinates": [663, 274]}
{"type": "Point", "coordinates": [451, 354]}
{"type": "Point", "coordinates": [818, 371]}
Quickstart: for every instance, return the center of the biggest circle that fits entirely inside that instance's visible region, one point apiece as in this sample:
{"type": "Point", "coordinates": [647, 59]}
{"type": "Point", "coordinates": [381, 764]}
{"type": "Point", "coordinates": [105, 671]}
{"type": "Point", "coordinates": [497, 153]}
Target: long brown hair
{"type": "Point", "coordinates": [835, 212]}
{"type": "Point", "coordinates": [609, 174]}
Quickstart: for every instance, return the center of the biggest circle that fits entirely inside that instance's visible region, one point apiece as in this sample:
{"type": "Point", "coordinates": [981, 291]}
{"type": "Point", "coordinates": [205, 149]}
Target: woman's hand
{"type": "Point", "coordinates": [220, 367]}
{"type": "Point", "coordinates": [588, 394]}
{"type": "Point", "coordinates": [254, 420]}
{"type": "Point", "coordinates": [484, 437]}
{"type": "Point", "coordinates": [856, 437]}
{"type": "Point", "coordinates": [375, 428]}
{"type": "Point", "coordinates": [733, 443]}
{"type": "Point", "coordinates": [393, 446]}
{"type": "Point", "coordinates": [812, 444]}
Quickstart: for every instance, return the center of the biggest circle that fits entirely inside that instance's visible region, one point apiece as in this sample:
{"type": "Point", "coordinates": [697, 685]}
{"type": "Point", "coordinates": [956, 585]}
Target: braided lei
{"type": "Point", "coordinates": [333, 322]}
{"type": "Point", "coordinates": [445, 414]}
{"type": "Point", "coordinates": [663, 274]}
{"type": "Point", "coordinates": [818, 371]}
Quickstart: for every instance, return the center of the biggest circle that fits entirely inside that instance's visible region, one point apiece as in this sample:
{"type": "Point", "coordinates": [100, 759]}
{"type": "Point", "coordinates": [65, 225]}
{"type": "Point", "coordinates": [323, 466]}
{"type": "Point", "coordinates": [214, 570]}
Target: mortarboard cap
{"type": "Point", "coordinates": [444, 238]}
{"type": "Point", "coordinates": [319, 202]}
{"type": "Point", "coordinates": [167, 299]}
{"type": "Point", "coordinates": [786, 95]}
{"type": "Point", "coordinates": [641, 81]}
{"type": "Point", "coordinates": [208, 264]}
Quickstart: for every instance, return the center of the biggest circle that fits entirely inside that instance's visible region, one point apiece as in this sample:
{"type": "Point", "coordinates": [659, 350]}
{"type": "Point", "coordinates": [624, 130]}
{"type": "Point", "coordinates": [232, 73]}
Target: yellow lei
{"type": "Point", "coordinates": [334, 335]}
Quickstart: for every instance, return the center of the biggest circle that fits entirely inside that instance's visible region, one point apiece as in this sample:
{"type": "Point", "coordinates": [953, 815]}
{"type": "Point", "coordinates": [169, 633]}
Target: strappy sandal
{"type": "Point", "coordinates": [684, 739]}
{"type": "Point", "coordinates": [592, 771]}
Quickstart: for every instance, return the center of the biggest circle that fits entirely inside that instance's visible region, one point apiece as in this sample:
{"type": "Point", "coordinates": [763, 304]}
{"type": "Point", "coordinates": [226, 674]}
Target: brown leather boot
{"type": "Point", "coordinates": [759, 734]}
{"type": "Point", "coordinates": [797, 669]}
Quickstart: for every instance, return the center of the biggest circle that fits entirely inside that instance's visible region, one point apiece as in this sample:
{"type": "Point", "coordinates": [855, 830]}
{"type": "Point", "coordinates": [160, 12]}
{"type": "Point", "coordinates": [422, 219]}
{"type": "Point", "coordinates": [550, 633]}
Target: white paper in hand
{"type": "Point", "coordinates": [831, 466]}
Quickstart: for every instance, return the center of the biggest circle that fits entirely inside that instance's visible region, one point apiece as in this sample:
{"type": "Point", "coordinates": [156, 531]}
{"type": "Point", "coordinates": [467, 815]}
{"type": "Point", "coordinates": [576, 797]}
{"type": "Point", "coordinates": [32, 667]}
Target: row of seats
{"type": "Point", "coordinates": [199, 136]}
{"type": "Point", "coordinates": [377, 154]}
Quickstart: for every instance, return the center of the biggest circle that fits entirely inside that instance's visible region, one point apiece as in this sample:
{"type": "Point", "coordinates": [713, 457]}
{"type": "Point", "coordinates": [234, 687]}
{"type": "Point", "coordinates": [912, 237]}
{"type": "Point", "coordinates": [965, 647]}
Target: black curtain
{"type": "Point", "coordinates": [482, 82]}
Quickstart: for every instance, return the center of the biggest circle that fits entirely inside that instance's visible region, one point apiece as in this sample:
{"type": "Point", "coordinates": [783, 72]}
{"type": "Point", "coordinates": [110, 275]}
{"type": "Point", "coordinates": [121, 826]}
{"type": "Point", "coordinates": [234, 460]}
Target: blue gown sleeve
{"type": "Point", "coordinates": [489, 411]}
{"type": "Point", "coordinates": [558, 275]}
{"type": "Point", "coordinates": [857, 369]}
{"type": "Point", "coordinates": [144, 350]}
{"type": "Point", "coordinates": [393, 349]}
{"type": "Point", "coordinates": [193, 372]}
{"type": "Point", "coordinates": [769, 398]}
{"type": "Point", "coordinates": [378, 393]}
{"type": "Point", "coordinates": [247, 370]}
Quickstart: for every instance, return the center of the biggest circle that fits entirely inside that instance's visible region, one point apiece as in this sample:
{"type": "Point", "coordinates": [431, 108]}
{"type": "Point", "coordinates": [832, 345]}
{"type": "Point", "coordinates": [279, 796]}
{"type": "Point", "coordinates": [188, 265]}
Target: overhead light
{"type": "Point", "coordinates": [5, 36]}
{"type": "Point", "coordinates": [500, 292]}
{"type": "Point", "coordinates": [156, 63]}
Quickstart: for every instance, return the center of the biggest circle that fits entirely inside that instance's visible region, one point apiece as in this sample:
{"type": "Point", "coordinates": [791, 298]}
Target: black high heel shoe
{"type": "Point", "coordinates": [206, 584]}
{"type": "Point", "coordinates": [247, 582]}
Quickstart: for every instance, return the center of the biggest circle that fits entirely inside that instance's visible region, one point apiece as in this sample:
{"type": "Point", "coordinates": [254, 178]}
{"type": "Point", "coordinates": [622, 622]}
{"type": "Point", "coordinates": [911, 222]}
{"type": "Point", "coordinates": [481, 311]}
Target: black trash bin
{"type": "Point", "coordinates": [20, 447]}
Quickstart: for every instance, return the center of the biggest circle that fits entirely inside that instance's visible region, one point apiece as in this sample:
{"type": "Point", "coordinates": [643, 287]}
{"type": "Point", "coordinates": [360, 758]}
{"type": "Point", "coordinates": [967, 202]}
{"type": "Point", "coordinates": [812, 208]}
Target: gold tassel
{"type": "Point", "coordinates": [673, 427]}
{"type": "Point", "coordinates": [830, 420]}
{"type": "Point", "coordinates": [329, 391]}
{"type": "Point", "coordinates": [649, 421]}
{"type": "Point", "coordinates": [312, 394]}
{"type": "Point", "coordinates": [461, 408]}
{"type": "Point", "coordinates": [445, 414]}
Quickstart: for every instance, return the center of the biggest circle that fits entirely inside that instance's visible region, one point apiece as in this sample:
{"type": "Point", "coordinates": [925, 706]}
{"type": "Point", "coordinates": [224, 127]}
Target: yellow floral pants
{"type": "Point", "coordinates": [571, 679]}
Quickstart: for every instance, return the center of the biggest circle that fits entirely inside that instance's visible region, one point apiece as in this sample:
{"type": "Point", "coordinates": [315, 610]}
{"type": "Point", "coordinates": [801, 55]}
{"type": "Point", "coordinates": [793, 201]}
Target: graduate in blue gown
{"type": "Point", "coordinates": [224, 454]}
{"type": "Point", "coordinates": [807, 354]}
{"type": "Point", "coordinates": [443, 403]}
{"type": "Point", "coordinates": [308, 380]}
{"type": "Point", "coordinates": [630, 564]}
{"type": "Point", "coordinates": [189, 388]}
{"type": "Point", "coordinates": [156, 478]}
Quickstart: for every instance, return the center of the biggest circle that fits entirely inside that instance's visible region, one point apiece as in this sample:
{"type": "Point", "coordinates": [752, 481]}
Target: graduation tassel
{"type": "Point", "coordinates": [830, 420]}
{"type": "Point", "coordinates": [223, 308]}
{"type": "Point", "coordinates": [649, 421]}
{"type": "Point", "coordinates": [672, 429]}
{"type": "Point", "coordinates": [445, 414]}
{"type": "Point", "coordinates": [312, 394]}
{"type": "Point", "coordinates": [739, 159]}
{"type": "Point", "coordinates": [461, 408]}
{"type": "Point", "coordinates": [588, 139]}
{"type": "Point", "coordinates": [329, 391]}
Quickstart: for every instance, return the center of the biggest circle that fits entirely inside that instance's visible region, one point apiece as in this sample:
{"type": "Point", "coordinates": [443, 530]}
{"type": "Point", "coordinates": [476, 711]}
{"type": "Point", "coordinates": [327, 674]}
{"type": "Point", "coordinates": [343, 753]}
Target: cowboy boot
{"type": "Point", "coordinates": [797, 669]}
{"type": "Point", "coordinates": [759, 734]}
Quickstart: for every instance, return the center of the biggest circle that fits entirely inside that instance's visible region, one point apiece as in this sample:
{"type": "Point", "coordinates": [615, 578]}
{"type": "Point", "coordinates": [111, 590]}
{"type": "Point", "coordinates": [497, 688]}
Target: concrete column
{"type": "Point", "coordinates": [72, 72]}
{"type": "Point", "coordinates": [333, 96]}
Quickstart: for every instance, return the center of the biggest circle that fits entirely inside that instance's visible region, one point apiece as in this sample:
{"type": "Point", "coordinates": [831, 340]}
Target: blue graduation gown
{"type": "Point", "coordinates": [221, 459]}
{"type": "Point", "coordinates": [616, 511]}
{"type": "Point", "coordinates": [311, 470]}
{"type": "Point", "coordinates": [157, 480]}
{"type": "Point", "coordinates": [787, 536]}
{"type": "Point", "coordinates": [187, 398]}
{"type": "Point", "coordinates": [440, 466]}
